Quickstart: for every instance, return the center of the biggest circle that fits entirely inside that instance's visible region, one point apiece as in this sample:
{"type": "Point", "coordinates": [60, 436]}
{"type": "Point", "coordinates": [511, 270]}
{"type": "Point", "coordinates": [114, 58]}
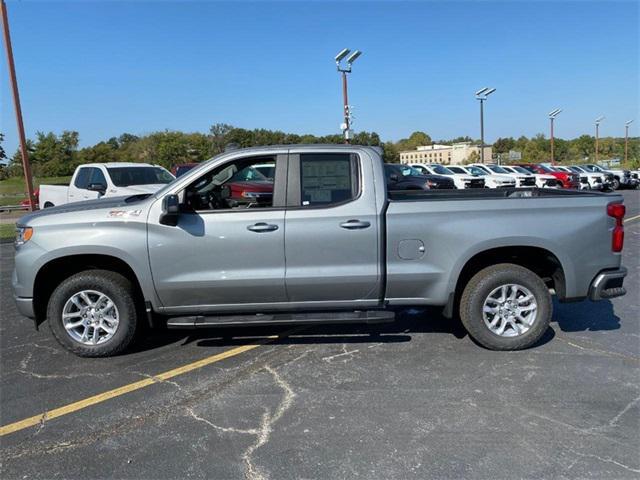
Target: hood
{"type": "Point", "coordinates": [252, 186]}
{"type": "Point", "coordinates": [101, 203]}
{"type": "Point", "coordinates": [136, 189]}
{"type": "Point", "coordinates": [502, 178]}
{"type": "Point", "coordinates": [544, 176]}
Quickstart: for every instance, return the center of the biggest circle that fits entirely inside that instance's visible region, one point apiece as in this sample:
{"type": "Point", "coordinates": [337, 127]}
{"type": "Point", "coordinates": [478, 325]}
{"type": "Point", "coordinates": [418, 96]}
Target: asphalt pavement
{"type": "Point", "coordinates": [413, 399]}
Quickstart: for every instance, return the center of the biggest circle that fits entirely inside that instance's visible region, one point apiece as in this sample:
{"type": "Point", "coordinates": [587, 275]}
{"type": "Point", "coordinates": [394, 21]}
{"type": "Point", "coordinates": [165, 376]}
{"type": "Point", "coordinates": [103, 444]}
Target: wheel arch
{"type": "Point", "coordinates": [539, 259]}
{"type": "Point", "coordinates": [56, 270]}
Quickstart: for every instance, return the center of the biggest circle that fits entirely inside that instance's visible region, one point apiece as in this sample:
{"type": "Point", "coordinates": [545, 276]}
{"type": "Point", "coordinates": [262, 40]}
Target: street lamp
{"type": "Point", "coordinates": [626, 140]}
{"type": "Point", "coordinates": [482, 96]}
{"type": "Point", "coordinates": [552, 116]}
{"type": "Point", "coordinates": [598, 120]}
{"type": "Point", "coordinates": [346, 126]}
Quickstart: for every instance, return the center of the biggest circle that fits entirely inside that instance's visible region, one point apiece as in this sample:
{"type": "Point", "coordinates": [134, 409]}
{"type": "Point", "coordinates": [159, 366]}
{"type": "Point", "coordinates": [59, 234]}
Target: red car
{"type": "Point", "coordinates": [569, 180]}
{"type": "Point", "coordinates": [182, 168]}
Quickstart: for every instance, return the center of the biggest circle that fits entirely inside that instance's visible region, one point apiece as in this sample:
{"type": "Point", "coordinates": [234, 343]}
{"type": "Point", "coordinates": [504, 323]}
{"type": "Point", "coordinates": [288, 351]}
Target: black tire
{"type": "Point", "coordinates": [116, 287]}
{"type": "Point", "coordinates": [48, 205]}
{"type": "Point", "coordinates": [616, 184]}
{"type": "Point", "coordinates": [479, 288]}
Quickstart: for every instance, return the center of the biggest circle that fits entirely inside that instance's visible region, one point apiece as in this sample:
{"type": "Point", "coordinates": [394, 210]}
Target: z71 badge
{"type": "Point", "coordinates": [124, 213]}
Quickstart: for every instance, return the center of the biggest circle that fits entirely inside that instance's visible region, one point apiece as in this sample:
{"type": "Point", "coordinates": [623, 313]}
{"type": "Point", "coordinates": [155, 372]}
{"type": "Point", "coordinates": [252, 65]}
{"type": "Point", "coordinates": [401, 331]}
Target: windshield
{"type": "Point", "coordinates": [477, 171]}
{"type": "Point", "coordinates": [249, 174]}
{"type": "Point", "coordinates": [521, 170]}
{"type": "Point", "coordinates": [497, 169]}
{"type": "Point", "coordinates": [576, 169]}
{"type": "Point", "coordinates": [545, 169]}
{"type": "Point", "coordinates": [457, 170]}
{"type": "Point", "coordinates": [127, 176]}
{"type": "Point", "coordinates": [590, 168]}
{"type": "Point", "coordinates": [440, 170]}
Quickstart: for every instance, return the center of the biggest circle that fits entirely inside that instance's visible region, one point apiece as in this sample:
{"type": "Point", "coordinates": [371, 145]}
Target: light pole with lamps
{"type": "Point", "coordinates": [598, 120]}
{"type": "Point", "coordinates": [626, 140]}
{"type": "Point", "coordinates": [482, 96]}
{"type": "Point", "coordinates": [552, 117]}
{"type": "Point", "coordinates": [346, 126]}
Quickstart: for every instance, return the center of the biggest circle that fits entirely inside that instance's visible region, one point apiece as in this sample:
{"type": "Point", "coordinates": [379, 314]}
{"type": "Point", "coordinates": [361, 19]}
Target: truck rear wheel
{"type": "Point", "coordinates": [93, 313]}
{"type": "Point", "coordinates": [506, 307]}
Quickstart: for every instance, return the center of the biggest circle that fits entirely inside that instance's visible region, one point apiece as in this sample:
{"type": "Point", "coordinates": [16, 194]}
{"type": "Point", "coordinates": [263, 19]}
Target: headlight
{"type": "Point", "coordinates": [23, 235]}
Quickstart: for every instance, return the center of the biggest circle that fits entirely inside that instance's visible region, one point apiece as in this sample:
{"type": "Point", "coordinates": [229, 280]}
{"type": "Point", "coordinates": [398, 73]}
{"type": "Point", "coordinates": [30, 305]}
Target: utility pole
{"type": "Point", "coordinates": [552, 117]}
{"type": "Point", "coordinates": [482, 96]}
{"type": "Point", "coordinates": [346, 125]}
{"type": "Point", "coordinates": [598, 120]}
{"type": "Point", "coordinates": [626, 141]}
{"type": "Point", "coordinates": [16, 101]}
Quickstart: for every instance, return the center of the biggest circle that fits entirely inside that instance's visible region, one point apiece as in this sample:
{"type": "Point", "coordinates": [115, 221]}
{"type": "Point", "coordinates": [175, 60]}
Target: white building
{"type": "Point", "coordinates": [455, 154]}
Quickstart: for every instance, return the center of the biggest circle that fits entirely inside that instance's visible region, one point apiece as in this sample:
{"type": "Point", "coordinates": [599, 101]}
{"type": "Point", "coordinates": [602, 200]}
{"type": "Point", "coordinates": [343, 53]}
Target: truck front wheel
{"type": "Point", "coordinates": [93, 313]}
{"type": "Point", "coordinates": [506, 307]}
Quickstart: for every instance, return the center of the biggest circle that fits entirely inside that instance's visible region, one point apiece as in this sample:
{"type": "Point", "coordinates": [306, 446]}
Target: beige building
{"type": "Point", "coordinates": [455, 154]}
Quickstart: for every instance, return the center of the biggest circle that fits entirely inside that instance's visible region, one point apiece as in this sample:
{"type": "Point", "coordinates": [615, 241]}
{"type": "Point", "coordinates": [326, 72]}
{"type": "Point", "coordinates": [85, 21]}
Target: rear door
{"type": "Point", "coordinates": [331, 231]}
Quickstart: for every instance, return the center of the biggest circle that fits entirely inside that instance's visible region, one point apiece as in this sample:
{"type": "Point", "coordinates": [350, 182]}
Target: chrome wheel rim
{"type": "Point", "coordinates": [90, 317]}
{"type": "Point", "coordinates": [510, 310]}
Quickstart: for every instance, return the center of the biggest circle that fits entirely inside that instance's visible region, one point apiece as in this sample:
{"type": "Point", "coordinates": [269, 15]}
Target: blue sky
{"type": "Point", "coordinates": [112, 67]}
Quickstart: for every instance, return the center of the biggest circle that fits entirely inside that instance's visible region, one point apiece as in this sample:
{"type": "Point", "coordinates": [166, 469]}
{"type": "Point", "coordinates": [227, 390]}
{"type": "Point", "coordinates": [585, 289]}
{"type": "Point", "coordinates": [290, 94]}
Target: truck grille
{"type": "Point", "coordinates": [584, 180]}
{"type": "Point", "coordinates": [573, 178]}
{"type": "Point", "coordinates": [475, 183]}
{"type": "Point", "coordinates": [528, 181]}
{"type": "Point", "coordinates": [552, 183]}
{"type": "Point", "coordinates": [634, 175]}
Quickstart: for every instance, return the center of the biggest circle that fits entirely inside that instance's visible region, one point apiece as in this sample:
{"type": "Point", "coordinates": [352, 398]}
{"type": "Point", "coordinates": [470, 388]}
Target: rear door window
{"type": "Point", "coordinates": [327, 179]}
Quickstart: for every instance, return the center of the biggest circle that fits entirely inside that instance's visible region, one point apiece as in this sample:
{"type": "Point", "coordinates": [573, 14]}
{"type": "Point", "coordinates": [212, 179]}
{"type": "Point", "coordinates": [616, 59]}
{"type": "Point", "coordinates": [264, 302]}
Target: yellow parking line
{"type": "Point", "coordinates": [626, 220]}
{"type": "Point", "coordinates": [116, 392]}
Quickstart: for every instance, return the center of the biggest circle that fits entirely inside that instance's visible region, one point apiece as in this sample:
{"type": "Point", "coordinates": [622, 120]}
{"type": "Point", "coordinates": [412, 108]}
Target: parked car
{"type": "Point", "coordinates": [523, 180]}
{"type": "Point", "coordinates": [405, 177]}
{"type": "Point", "coordinates": [568, 180]}
{"type": "Point", "coordinates": [621, 178]}
{"type": "Point", "coordinates": [461, 181]}
{"type": "Point", "coordinates": [491, 180]}
{"type": "Point", "coordinates": [582, 177]}
{"type": "Point", "coordinates": [354, 252]}
{"type": "Point", "coordinates": [594, 180]}
{"type": "Point", "coordinates": [98, 180]}
{"type": "Point", "coordinates": [182, 168]}
{"type": "Point", "coordinates": [542, 180]}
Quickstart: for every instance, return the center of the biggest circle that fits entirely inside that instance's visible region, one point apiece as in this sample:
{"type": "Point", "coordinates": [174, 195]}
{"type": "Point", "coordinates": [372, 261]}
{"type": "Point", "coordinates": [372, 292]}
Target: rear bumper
{"type": "Point", "coordinates": [25, 306]}
{"type": "Point", "coordinates": [608, 284]}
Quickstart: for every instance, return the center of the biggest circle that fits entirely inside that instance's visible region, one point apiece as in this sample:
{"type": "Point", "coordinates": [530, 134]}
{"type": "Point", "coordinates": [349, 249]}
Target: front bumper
{"type": "Point", "coordinates": [25, 306]}
{"type": "Point", "coordinates": [608, 284]}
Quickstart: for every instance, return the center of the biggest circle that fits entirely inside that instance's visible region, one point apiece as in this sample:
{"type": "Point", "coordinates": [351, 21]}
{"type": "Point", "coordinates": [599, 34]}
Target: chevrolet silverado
{"type": "Point", "coordinates": [330, 245]}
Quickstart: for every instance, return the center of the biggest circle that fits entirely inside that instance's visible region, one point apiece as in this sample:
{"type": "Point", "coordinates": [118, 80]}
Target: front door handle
{"type": "Point", "coordinates": [262, 227]}
{"type": "Point", "coordinates": [355, 224]}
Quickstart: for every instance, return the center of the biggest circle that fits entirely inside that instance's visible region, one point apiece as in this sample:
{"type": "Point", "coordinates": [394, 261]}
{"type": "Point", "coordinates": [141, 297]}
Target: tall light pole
{"type": "Point", "coordinates": [346, 126]}
{"type": "Point", "coordinates": [598, 120]}
{"type": "Point", "coordinates": [626, 140]}
{"type": "Point", "coordinates": [552, 116]}
{"type": "Point", "coordinates": [482, 96]}
{"type": "Point", "coordinates": [16, 102]}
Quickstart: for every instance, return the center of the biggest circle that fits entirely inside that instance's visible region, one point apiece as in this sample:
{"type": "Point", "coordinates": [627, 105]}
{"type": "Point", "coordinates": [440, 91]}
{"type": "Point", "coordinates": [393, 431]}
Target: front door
{"type": "Point", "coordinates": [227, 251]}
{"type": "Point", "coordinates": [332, 239]}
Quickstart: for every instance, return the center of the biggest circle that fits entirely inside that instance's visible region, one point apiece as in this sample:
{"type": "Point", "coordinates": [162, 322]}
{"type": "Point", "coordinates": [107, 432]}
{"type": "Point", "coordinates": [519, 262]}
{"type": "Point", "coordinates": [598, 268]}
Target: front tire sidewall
{"type": "Point", "coordinates": [482, 284]}
{"type": "Point", "coordinates": [115, 287]}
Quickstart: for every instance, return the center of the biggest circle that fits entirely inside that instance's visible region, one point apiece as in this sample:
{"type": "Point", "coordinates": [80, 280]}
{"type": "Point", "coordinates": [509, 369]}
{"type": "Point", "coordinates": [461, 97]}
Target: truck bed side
{"type": "Point", "coordinates": [454, 227]}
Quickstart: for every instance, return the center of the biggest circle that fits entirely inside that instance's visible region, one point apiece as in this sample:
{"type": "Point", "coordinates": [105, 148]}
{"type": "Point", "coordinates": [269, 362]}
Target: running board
{"type": "Point", "coordinates": [209, 321]}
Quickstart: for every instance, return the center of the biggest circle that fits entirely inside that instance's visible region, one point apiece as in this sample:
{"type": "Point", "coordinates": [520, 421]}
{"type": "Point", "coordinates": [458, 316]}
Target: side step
{"type": "Point", "coordinates": [209, 321]}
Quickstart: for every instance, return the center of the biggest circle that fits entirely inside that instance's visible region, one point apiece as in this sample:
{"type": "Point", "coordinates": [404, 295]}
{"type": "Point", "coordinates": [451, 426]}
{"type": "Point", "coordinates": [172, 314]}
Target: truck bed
{"type": "Point", "coordinates": [484, 193]}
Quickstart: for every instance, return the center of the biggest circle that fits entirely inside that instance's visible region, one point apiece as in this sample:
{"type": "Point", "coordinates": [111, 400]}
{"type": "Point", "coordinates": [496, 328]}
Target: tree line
{"type": "Point", "coordinates": [58, 154]}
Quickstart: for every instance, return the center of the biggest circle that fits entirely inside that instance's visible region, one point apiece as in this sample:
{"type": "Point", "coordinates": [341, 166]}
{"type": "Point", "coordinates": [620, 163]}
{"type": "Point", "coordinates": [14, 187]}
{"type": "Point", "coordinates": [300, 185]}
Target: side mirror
{"type": "Point", "coordinates": [101, 188]}
{"type": "Point", "coordinates": [170, 210]}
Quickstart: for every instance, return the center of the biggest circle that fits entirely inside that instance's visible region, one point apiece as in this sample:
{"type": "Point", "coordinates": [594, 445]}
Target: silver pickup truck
{"type": "Point", "coordinates": [320, 240]}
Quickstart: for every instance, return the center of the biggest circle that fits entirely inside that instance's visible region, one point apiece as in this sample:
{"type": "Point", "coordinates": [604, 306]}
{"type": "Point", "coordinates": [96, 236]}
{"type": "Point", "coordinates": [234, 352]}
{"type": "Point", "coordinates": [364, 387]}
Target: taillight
{"type": "Point", "coordinates": [617, 211]}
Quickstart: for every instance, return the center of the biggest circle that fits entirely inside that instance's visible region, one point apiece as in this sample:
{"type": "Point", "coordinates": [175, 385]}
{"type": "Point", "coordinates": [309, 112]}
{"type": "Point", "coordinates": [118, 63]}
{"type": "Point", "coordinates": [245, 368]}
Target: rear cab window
{"type": "Point", "coordinates": [328, 179]}
{"type": "Point", "coordinates": [82, 177]}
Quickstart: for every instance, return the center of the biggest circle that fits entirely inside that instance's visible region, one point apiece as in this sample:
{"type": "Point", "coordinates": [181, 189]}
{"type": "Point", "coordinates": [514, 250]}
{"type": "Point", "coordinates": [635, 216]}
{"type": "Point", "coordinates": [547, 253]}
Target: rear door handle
{"type": "Point", "coordinates": [262, 227]}
{"type": "Point", "coordinates": [355, 224]}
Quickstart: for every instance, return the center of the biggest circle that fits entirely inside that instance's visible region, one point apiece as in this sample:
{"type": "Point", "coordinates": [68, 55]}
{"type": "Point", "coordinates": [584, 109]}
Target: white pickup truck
{"type": "Point", "coordinates": [97, 180]}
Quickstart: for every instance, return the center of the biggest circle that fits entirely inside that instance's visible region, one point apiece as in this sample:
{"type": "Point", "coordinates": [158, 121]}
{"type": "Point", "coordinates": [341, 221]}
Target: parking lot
{"type": "Point", "coordinates": [413, 399]}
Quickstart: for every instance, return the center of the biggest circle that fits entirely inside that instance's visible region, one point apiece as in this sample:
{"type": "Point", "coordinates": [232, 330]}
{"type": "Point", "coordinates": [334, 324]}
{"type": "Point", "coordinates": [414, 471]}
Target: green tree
{"type": "Point", "coordinates": [503, 145]}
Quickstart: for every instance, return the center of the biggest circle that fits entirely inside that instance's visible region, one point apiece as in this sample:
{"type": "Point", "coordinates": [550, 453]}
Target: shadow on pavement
{"type": "Point", "coordinates": [586, 316]}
